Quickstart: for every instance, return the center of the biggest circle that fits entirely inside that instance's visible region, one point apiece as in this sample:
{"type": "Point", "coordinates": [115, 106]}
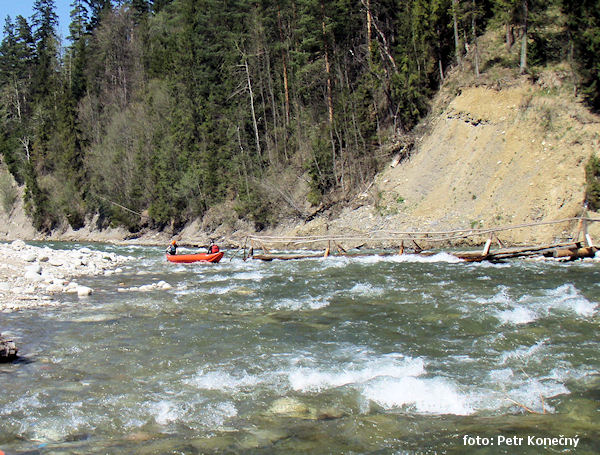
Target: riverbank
{"type": "Point", "coordinates": [32, 276]}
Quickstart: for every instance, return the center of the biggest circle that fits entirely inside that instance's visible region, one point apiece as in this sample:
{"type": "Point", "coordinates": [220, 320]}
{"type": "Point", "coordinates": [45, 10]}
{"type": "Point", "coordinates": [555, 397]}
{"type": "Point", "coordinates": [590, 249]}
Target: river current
{"type": "Point", "coordinates": [367, 355]}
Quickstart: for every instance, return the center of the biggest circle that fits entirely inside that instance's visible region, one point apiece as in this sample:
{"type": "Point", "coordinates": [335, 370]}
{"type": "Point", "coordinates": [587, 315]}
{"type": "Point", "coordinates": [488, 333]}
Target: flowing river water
{"type": "Point", "coordinates": [400, 355]}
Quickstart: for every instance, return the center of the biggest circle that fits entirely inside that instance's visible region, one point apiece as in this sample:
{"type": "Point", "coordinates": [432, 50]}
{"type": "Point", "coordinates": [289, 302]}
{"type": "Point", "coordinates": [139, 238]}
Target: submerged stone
{"type": "Point", "coordinates": [290, 407]}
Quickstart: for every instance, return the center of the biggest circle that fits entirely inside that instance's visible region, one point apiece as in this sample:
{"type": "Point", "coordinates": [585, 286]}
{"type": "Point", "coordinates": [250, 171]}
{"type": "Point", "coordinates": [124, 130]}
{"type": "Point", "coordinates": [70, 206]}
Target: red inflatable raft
{"type": "Point", "coordinates": [198, 257]}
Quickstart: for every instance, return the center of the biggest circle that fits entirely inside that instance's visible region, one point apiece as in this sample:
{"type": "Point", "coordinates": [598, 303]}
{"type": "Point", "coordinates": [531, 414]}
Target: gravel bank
{"type": "Point", "coordinates": [32, 276]}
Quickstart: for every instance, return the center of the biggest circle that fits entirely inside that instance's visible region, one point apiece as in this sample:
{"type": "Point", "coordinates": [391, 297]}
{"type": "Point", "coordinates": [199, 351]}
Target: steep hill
{"type": "Point", "coordinates": [490, 157]}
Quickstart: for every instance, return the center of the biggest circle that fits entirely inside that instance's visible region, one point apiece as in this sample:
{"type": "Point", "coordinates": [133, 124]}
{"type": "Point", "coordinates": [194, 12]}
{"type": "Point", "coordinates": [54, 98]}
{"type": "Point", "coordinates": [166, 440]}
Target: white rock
{"type": "Point", "coordinates": [43, 257]}
{"type": "Point", "coordinates": [146, 288]}
{"type": "Point", "coordinates": [84, 291]}
{"type": "Point", "coordinates": [85, 250]}
{"type": "Point", "coordinates": [57, 262]}
{"type": "Point", "coordinates": [71, 288]}
{"type": "Point", "coordinates": [30, 256]}
{"type": "Point", "coordinates": [118, 270]}
{"type": "Point", "coordinates": [164, 285]}
{"type": "Point", "coordinates": [18, 245]}
{"type": "Point", "coordinates": [54, 289]}
{"type": "Point", "coordinates": [4, 286]}
{"type": "Point", "coordinates": [35, 268]}
{"type": "Point", "coordinates": [30, 275]}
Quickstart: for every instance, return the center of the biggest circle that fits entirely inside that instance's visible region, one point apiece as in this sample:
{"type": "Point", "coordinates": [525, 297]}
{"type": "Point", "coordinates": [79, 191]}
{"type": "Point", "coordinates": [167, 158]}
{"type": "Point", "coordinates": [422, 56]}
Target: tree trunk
{"type": "Point", "coordinates": [254, 123]}
{"type": "Point", "coordinates": [475, 49]}
{"type": "Point", "coordinates": [523, 66]}
{"type": "Point", "coordinates": [369, 26]}
{"type": "Point", "coordinates": [327, 65]}
{"type": "Point", "coordinates": [455, 24]}
{"type": "Point", "coordinates": [329, 90]}
{"type": "Point", "coordinates": [510, 36]}
{"type": "Point", "coordinates": [285, 70]}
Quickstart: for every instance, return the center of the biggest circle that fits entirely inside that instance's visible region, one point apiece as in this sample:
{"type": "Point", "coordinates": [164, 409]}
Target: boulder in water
{"type": "Point", "coordinates": [8, 350]}
{"type": "Point", "coordinates": [84, 291]}
{"type": "Point", "coordinates": [289, 407]}
{"type": "Point", "coordinates": [54, 288]}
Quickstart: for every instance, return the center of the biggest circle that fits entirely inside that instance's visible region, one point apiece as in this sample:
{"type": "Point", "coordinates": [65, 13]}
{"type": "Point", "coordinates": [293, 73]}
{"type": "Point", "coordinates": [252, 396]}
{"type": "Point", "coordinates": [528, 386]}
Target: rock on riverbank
{"type": "Point", "coordinates": [31, 275]}
{"type": "Point", "coordinates": [8, 350]}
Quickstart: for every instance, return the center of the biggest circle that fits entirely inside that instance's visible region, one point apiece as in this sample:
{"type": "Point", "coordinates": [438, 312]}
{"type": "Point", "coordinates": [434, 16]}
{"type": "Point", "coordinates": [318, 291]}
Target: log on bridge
{"type": "Point", "coordinates": [569, 251]}
{"type": "Point", "coordinates": [382, 239]}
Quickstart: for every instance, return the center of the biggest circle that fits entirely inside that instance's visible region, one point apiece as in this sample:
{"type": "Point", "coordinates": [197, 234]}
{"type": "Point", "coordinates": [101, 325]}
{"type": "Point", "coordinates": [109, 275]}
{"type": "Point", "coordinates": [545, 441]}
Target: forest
{"type": "Point", "coordinates": [152, 113]}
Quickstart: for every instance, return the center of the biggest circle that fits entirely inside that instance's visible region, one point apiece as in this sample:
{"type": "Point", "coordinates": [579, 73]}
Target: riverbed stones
{"type": "Point", "coordinates": [159, 286]}
{"type": "Point", "coordinates": [8, 349]}
{"type": "Point", "coordinates": [29, 271]}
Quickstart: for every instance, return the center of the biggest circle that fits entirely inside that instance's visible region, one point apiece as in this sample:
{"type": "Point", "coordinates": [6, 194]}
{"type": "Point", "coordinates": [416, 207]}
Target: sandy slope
{"type": "Point", "coordinates": [490, 158]}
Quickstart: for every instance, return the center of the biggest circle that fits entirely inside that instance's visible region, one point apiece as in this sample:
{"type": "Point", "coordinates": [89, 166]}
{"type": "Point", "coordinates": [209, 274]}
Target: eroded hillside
{"type": "Point", "coordinates": [492, 157]}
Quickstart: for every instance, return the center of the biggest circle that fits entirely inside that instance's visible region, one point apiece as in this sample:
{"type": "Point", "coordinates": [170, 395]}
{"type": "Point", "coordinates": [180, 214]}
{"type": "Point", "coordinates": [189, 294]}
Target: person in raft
{"type": "Point", "coordinates": [212, 248]}
{"type": "Point", "coordinates": [172, 249]}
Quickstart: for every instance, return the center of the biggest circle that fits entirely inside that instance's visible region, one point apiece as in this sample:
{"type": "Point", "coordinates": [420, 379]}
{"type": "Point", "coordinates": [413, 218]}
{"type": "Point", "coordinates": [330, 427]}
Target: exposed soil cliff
{"type": "Point", "coordinates": [491, 157]}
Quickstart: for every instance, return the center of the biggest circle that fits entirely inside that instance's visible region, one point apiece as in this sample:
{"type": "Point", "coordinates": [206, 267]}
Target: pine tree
{"type": "Point", "coordinates": [584, 27]}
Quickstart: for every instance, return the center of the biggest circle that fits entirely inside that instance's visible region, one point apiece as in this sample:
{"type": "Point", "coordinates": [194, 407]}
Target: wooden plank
{"type": "Point", "coordinates": [486, 248]}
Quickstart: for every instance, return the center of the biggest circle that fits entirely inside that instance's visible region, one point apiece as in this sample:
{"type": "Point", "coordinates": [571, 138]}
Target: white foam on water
{"type": "Point", "coordinates": [366, 289]}
{"type": "Point", "coordinates": [501, 376]}
{"type": "Point", "coordinates": [438, 257]}
{"type": "Point", "coordinates": [311, 303]}
{"type": "Point", "coordinates": [309, 379]}
{"type": "Point", "coordinates": [165, 411]}
{"type": "Point", "coordinates": [530, 308]}
{"type": "Point", "coordinates": [501, 297]}
{"type": "Point", "coordinates": [215, 415]}
{"type": "Point", "coordinates": [524, 354]}
{"type": "Point", "coordinates": [194, 414]}
{"type": "Point", "coordinates": [66, 421]}
{"type": "Point", "coordinates": [567, 297]}
{"type": "Point", "coordinates": [223, 380]}
{"type": "Point", "coordinates": [256, 275]}
{"type": "Point", "coordinates": [423, 395]}
{"type": "Point", "coordinates": [414, 258]}
{"type": "Point", "coordinates": [517, 315]}
{"type": "Point", "coordinates": [531, 392]}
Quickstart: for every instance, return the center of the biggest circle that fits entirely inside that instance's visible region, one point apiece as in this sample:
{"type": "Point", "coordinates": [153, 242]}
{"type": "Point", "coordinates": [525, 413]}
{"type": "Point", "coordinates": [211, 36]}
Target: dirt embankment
{"type": "Point", "coordinates": [490, 158]}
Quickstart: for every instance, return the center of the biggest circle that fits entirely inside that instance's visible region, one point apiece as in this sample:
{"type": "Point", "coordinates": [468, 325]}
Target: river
{"type": "Point", "coordinates": [377, 355]}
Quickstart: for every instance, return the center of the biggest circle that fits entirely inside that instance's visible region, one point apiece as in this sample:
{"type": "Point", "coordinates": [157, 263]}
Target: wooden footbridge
{"type": "Point", "coordinates": [398, 242]}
